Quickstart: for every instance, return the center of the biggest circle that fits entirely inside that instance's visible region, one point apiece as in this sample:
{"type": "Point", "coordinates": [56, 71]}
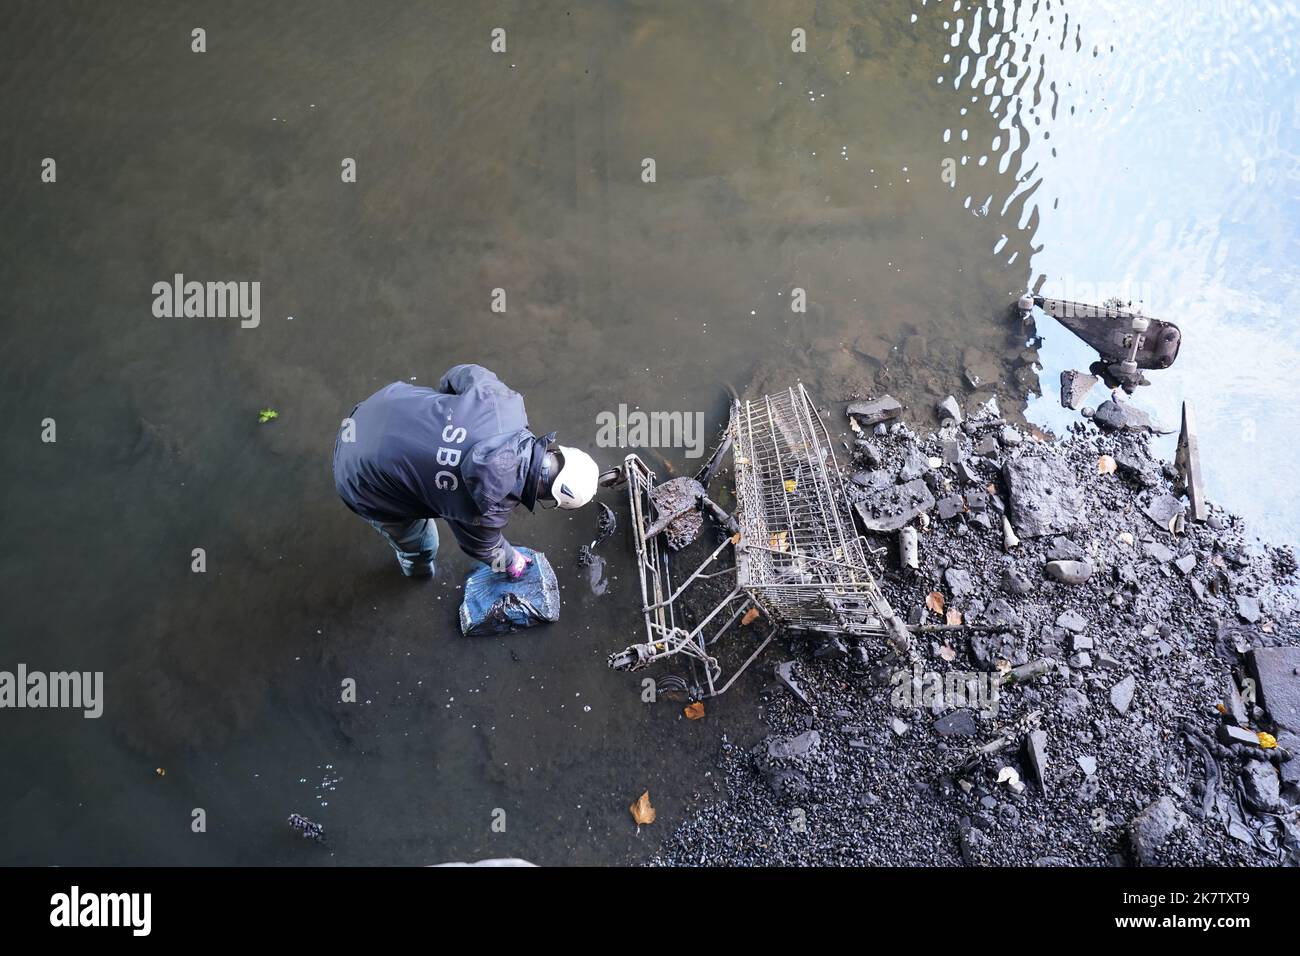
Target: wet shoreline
{"type": "Point", "coordinates": [1120, 710]}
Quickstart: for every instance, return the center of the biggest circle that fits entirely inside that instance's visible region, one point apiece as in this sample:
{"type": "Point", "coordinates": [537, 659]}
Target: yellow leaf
{"type": "Point", "coordinates": [1267, 741]}
{"type": "Point", "coordinates": [1105, 465]}
{"type": "Point", "coordinates": [735, 538]}
{"type": "Point", "coordinates": [750, 616]}
{"type": "Point", "coordinates": [641, 811]}
{"type": "Point", "coordinates": [694, 711]}
{"type": "Point", "coordinates": [934, 601]}
{"type": "Point", "coordinates": [780, 541]}
{"type": "Point", "coordinates": [790, 486]}
{"type": "Point", "coordinates": [954, 616]}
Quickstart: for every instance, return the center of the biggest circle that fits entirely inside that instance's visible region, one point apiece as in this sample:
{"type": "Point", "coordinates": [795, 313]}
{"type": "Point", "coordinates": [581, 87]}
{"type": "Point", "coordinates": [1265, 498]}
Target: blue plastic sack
{"type": "Point", "coordinates": [494, 604]}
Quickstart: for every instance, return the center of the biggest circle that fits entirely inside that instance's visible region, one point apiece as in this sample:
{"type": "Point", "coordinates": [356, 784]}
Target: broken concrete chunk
{"type": "Point", "coordinates": [1074, 703]}
{"type": "Point", "coordinates": [1016, 582]}
{"type": "Point", "coordinates": [1277, 675]}
{"type": "Point", "coordinates": [868, 453]}
{"type": "Point", "coordinates": [793, 748]}
{"type": "Point", "coordinates": [1121, 416]}
{"type": "Point", "coordinates": [785, 674]}
{"type": "Point", "coordinates": [1121, 695]}
{"type": "Point", "coordinates": [1075, 387]}
{"type": "Point", "coordinates": [1263, 789]}
{"type": "Point", "coordinates": [1069, 572]}
{"type": "Point", "coordinates": [1185, 564]}
{"type": "Point", "coordinates": [888, 509]}
{"type": "Point", "coordinates": [1135, 467]}
{"type": "Point", "coordinates": [1072, 621]}
{"type": "Point", "coordinates": [1248, 608]}
{"type": "Point", "coordinates": [1160, 552]}
{"type": "Point", "coordinates": [951, 506]}
{"type": "Point", "coordinates": [1229, 735]}
{"type": "Point", "coordinates": [1088, 765]}
{"type": "Point", "coordinates": [1063, 549]}
{"type": "Point", "coordinates": [1162, 510]}
{"type": "Point", "coordinates": [949, 410]}
{"type": "Point", "coordinates": [876, 410]}
{"type": "Point", "coordinates": [959, 582]}
{"type": "Point", "coordinates": [1044, 497]}
{"type": "Point", "coordinates": [1153, 827]}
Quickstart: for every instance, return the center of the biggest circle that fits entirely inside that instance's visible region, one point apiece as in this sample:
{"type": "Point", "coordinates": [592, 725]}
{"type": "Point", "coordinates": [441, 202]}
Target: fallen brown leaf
{"type": "Point", "coordinates": [934, 602]}
{"type": "Point", "coordinates": [750, 616]}
{"type": "Point", "coordinates": [1105, 465]}
{"type": "Point", "coordinates": [641, 811]}
{"type": "Point", "coordinates": [694, 711]}
{"type": "Point", "coordinates": [953, 616]}
{"type": "Point", "coordinates": [949, 654]}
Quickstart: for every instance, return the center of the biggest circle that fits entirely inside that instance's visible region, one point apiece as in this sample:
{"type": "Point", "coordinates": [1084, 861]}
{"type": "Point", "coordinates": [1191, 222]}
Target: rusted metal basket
{"type": "Point", "coordinates": [797, 554]}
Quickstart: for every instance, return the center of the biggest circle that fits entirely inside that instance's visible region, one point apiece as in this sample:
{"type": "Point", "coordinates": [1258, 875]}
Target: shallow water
{"type": "Point", "coordinates": [1155, 147]}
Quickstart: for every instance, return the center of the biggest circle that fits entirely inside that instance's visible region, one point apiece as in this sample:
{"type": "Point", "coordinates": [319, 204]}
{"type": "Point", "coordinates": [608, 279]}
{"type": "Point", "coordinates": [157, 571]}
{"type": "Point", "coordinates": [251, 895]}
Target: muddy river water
{"type": "Point", "coordinates": [910, 173]}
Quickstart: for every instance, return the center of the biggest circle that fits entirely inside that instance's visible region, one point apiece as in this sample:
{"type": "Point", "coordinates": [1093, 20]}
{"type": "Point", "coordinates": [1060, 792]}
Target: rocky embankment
{"type": "Point", "coordinates": [1129, 693]}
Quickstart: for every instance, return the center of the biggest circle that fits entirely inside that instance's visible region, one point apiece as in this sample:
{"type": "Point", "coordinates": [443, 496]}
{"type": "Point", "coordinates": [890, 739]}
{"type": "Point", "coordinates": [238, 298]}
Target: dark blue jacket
{"type": "Point", "coordinates": [461, 452]}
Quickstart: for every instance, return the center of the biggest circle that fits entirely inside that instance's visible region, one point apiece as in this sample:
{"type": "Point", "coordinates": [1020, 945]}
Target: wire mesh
{"type": "Point", "coordinates": [799, 553]}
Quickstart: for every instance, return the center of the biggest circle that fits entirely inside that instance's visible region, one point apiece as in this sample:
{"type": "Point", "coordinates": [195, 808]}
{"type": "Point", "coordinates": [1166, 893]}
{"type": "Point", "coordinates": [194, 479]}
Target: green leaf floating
{"type": "Point", "coordinates": [267, 415]}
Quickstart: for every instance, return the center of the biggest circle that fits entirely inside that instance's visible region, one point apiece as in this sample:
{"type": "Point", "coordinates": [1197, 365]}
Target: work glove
{"type": "Point", "coordinates": [518, 566]}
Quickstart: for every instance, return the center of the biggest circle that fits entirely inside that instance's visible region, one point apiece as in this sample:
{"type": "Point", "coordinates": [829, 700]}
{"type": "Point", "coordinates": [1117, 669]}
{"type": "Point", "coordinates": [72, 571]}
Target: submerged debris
{"type": "Point", "coordinates": [305, 828]}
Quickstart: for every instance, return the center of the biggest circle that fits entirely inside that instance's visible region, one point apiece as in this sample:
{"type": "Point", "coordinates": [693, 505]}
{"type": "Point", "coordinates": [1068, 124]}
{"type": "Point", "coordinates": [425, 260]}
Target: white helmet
{"type": "Point", "coordinates": [575, 483]}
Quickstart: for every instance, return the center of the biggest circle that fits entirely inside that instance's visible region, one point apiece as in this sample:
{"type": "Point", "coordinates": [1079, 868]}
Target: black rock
{"type": "Point", "coordinates": [951, 506]}
{"type": "Point", "coordinates": [883, 409]}
{"type": "Point", "coordinates": [867, 453]}
{"type": "Point", "coordinates": [960, 723]}
{"type": "Point", "coordinates": [1036, 753]}
{"type": "Point", "coordinates": [1069, 572]}
{"type": "Point", "coordinates": [1044, 497]}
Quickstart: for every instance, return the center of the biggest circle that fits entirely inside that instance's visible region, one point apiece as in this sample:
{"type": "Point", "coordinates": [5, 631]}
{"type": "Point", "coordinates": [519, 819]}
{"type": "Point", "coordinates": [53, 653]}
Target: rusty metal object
{"type": "Point", "coordinates": [1126, 340]}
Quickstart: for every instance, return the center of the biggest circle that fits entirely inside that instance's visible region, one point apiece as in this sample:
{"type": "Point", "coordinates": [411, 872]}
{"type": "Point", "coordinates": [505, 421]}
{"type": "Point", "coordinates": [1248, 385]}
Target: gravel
{"type": "Point", "coordinates": [895, 775]}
